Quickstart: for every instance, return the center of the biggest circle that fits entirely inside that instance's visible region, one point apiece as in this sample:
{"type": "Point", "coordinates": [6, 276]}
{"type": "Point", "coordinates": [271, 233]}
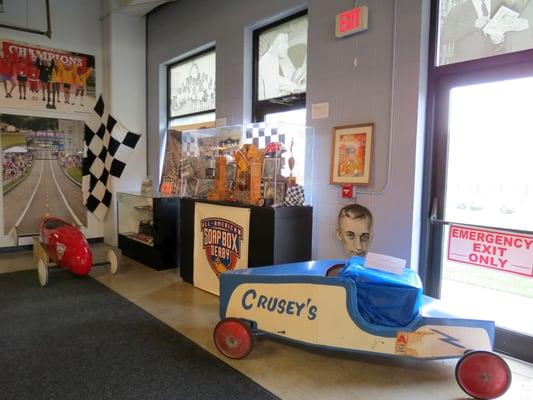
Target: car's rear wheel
{"type": "Point", "coordinates": [483, 375]}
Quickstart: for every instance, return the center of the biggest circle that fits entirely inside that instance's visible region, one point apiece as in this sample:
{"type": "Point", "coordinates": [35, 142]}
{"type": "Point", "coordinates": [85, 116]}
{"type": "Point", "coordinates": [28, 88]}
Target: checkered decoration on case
{"type": "Point", "coordinates": [295, 196]}
{"type": "Point", "coordinates": [189, 147]}
{"type": "Point", "coordinates": [261, 135]}
{"type": "Point", "coordinates": [108, 145]}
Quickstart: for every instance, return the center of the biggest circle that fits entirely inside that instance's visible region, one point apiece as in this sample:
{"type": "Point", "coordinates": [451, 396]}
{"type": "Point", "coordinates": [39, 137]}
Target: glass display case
{"type": "Point", "coordinates": [257, 164]}
{"type": "Point", "coordinates": [147, 226]}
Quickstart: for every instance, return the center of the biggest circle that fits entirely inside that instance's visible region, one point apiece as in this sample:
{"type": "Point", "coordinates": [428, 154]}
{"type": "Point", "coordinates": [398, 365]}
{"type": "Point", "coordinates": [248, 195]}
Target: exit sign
{"type": "Point", "coordinates": [351, 21]}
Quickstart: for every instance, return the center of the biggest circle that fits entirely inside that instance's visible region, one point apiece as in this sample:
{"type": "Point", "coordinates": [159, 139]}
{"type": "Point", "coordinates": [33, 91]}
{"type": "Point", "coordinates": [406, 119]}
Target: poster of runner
{"type": "Point", "coordinates": [41, 78]}
{"type": "Point", "coordinates": [41, 171]}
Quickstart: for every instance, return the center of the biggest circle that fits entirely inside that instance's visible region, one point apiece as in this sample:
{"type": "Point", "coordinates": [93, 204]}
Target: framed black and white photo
{"type": "Point", "coordinates": [280, 66]}
{"type": "Point", "coordinates": [191, 85]}
{"type": "Point", "coordinates": [475, 29]}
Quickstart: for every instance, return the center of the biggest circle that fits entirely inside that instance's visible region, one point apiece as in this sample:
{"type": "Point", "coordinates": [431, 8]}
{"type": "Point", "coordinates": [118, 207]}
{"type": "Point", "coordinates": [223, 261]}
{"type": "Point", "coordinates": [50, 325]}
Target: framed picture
{"type": "Point", "coordinates": [274, 191]}
{"type": "Point", "coordinates": [271, 167]}
{"type": "Point", "coordinates": [350, 162]}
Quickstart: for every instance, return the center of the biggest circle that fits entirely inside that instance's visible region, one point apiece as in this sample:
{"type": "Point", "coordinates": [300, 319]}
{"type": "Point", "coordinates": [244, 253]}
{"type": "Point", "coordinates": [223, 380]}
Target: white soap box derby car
{"type": "Point", "coordinates": [361, 310]}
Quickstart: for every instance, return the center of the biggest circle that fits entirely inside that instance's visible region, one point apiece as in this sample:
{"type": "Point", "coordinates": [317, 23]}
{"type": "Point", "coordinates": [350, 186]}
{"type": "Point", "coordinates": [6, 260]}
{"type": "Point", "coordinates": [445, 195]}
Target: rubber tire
{"type": "Point", "coordinates": [233, 338]}
{"type": "Point", "coordinates": [42, 270]}
{"type": "Point", "coordinates": [112, 259]}
{"type": "Point", "coordinates": [478, 369]}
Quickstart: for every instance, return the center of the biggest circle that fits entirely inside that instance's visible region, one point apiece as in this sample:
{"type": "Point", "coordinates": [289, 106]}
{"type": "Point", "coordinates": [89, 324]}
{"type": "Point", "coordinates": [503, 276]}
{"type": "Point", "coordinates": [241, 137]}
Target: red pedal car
{"type": "Point", "coordinates": [65, 245]}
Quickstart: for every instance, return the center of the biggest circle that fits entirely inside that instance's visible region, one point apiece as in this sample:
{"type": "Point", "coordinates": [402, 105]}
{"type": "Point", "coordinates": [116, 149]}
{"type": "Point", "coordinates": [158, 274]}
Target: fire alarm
{"type": "Point", "coordinates": [348, 191]}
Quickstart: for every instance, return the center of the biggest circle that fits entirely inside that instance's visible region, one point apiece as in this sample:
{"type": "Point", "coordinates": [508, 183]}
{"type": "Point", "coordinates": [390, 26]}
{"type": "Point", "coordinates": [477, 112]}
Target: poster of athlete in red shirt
{"type": "Point", "coordinates": [41, 78]}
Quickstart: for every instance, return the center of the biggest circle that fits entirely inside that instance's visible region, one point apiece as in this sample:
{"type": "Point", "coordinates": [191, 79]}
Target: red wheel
{"type": "Point", "coordinates": [483, 375]}
{"type": "Point", "coordinates": [233, 338]}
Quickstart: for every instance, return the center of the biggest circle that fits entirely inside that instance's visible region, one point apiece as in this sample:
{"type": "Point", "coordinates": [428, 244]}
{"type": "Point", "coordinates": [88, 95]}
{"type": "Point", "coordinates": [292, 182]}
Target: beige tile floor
{"type": "Point", "coordinates": [289, 371]}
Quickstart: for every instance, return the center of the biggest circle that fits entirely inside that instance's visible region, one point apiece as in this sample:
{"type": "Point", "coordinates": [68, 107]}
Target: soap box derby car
{"type": "Point", "coordinates": [65, 245]}
{"type": "Point", "coordinates": [372, 311]}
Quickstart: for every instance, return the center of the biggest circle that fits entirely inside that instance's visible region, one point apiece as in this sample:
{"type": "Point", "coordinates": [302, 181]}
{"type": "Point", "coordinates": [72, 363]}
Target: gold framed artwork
{"type": "Point", "coordinates": [350, 162]}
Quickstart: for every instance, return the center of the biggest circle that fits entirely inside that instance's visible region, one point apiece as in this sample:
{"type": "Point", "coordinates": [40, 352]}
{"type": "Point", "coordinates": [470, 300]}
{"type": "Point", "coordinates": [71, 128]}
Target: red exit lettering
{"type": "Point", "coordinates": [349, 20]}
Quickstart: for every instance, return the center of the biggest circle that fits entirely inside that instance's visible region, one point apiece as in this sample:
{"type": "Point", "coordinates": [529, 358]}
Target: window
{"type": "Point", "coordinates": [280, 66]}
{"type": "Point", "coordinates": [473, 29]}
{"type": "Point", "coordinates": [191, 89]}
{"type": "Point", "coordinates": [477, 177]}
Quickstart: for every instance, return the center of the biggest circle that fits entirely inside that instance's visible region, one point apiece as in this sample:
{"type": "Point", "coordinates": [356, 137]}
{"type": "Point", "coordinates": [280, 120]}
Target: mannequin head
{"type": "Point", "coordinates": [354, 229]}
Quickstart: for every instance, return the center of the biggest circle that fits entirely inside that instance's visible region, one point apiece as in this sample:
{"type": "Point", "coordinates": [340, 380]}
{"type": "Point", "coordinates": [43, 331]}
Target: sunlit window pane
{"type": "Point", "coordinates": [489, 179]}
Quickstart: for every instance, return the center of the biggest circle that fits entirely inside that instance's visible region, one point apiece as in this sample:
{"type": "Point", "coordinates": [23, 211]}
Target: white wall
{"type": "Point", "coordinates": [75, 27]}
{"type": "Point", "coordinates": [124, 44]}
{"type": "Point", "coordinates": [383, 88]}
{"type": "Point", "coordinates": [118, 44]}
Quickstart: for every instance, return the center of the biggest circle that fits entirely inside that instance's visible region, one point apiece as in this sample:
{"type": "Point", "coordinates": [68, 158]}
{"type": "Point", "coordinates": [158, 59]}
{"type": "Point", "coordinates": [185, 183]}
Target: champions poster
{"type": "Point", "coordinates": [220, 243]}
{"type": "Point", "coordinates": [42, 78]}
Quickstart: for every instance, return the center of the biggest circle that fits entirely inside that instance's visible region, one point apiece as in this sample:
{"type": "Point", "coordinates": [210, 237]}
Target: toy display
{"type": "Point", "coordinates": [246, 164]}
{"type": "Point", "coordinates": [249, 160]}
{"type": "Point", "coordinates": [202, 154]}
{"type": "Point", "coordinates": [361, 310]}
{"type": "Point", "coordinates": [64, 244]}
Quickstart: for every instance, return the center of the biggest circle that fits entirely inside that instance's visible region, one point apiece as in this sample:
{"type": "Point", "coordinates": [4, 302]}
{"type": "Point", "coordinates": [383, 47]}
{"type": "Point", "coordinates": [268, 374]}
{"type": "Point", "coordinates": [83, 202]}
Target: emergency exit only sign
{"type": "Point", "coordinates": [491, 249]}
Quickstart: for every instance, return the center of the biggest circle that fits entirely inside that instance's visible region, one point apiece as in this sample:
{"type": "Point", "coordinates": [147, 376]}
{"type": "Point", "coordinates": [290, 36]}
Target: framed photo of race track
{"type": "Point", "coordinates": [350, 161]}
{"type": "Point", "coordinates": [41, 171]}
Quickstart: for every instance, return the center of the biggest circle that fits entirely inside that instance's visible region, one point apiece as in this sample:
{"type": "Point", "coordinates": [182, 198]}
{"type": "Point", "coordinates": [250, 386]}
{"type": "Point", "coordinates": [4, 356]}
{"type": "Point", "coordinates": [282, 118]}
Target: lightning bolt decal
{"type": "Point", "coordinates": [448, 339]}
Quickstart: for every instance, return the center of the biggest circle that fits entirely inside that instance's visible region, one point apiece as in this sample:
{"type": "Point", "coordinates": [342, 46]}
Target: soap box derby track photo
{"type": "Point", "coordinates": [362, 310]}
{"type": "Point", "coordinates": [64, 245]}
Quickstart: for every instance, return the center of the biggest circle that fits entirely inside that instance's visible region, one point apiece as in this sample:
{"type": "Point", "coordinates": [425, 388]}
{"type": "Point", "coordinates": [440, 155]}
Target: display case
{"type": "Point", "coordinates": [147, 228]}
{"type": "Point", "coordinates": [257, 164]}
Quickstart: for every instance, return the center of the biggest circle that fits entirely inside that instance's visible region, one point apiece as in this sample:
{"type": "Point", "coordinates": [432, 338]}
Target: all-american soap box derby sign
{"type": "Point", "coordinates": [220, 243]}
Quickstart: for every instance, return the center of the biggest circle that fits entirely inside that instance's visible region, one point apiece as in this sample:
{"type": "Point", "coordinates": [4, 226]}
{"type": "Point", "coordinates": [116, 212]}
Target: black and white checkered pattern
{"type": "Point", "coordinates": [189, 146]}
{"type": "Point", "coordinates": [295, 196]}
{"type": "Point", "coordinates": [108, 145]}
{"type": "Point", "coordinates": [261, 135]}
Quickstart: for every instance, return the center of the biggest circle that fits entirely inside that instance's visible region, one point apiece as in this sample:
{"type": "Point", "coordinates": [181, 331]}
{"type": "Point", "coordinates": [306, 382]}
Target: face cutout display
{"type": "Point", "coordinates": [355, 235]}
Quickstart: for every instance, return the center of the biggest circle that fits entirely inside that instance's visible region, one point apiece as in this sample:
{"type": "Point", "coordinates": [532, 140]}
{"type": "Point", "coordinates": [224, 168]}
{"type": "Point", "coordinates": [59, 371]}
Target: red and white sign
{"type": "Point", "coordinates": [351, 21]}
{"type": "Point", "coordinates": [491, 249]}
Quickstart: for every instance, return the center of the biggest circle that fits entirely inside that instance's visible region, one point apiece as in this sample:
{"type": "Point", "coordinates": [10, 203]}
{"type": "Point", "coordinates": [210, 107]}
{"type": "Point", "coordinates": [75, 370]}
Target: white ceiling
{"type": "Point", "coordinates": [138, 7]}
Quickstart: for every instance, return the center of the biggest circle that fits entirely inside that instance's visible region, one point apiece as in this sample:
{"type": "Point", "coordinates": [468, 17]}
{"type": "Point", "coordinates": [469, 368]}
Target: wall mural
{"type": "Point", "coordinates": [41, 171]}
{"type": "Point", "coordinates": [41, 78]}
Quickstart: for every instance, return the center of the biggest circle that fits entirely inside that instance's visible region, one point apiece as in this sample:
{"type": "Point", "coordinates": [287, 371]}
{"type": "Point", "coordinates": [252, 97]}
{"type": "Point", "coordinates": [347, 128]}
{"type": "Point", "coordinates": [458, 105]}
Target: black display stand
{"type": "Point", "coordinates": [277, 235]}
{"type": "Point", "coordinates": [164, 252]}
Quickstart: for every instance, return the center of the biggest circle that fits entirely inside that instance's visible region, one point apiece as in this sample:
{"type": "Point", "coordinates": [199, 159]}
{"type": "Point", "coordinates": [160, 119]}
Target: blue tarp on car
{"type": "Point", "coordinates": [385, 298]}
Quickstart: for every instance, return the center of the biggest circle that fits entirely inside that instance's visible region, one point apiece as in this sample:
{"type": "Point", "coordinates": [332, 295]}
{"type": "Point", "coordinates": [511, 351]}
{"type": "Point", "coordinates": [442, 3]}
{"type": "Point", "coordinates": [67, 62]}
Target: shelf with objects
{"type": "Point", "coordinates": [147, 228]}
{"type": "Point", "coordinates": [245, 193]}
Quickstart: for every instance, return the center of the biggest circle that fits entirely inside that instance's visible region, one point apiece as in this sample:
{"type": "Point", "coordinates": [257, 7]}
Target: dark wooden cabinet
{"type": "Point", "coordinates": [148, 228]}
{"type": "Point", "coordinates": [277, 235]}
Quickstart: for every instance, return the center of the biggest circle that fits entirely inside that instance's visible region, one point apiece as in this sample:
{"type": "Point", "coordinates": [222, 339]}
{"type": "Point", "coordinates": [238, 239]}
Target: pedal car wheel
{"type": "Point", "coordinates": [42, 270]}
{"type": "Point", "coordinates": [113, 261]}
{"type": "Point", "coordinates": [483, 375]}
{"type": "Point", "coordinates": [233, 338]}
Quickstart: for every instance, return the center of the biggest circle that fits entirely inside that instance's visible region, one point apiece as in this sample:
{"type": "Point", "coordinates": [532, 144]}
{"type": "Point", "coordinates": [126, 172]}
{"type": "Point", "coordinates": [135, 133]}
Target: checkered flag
{"type": "Point", "coordinates": [295, 196]}
{"type": "Point", "coordinates": [260, 135]}
{"type": "Point", "coordinates": [108, 145]}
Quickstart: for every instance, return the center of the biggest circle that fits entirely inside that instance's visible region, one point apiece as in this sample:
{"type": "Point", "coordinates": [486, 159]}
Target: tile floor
{"type": "Point", "coordinates": [289, 371]}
